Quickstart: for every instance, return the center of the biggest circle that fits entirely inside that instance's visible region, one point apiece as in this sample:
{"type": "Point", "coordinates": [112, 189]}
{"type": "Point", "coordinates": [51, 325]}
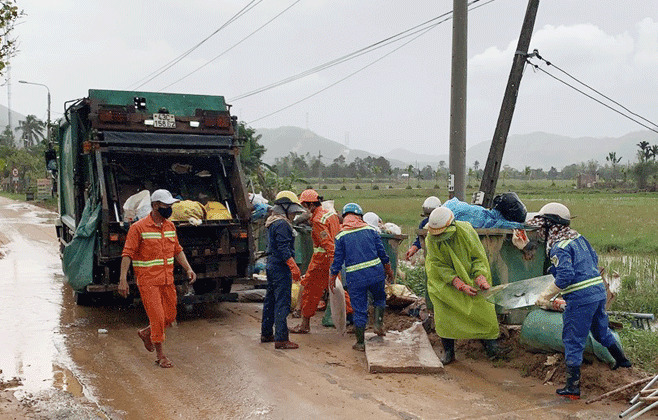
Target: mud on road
{"type": "Point", "coordinates": [66, 368]}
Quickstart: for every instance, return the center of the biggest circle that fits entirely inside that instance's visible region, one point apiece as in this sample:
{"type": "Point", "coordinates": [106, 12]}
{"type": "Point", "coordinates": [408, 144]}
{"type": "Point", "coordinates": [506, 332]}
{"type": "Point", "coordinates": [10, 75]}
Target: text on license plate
{"type": "Point", "coordinates": [164, 120]}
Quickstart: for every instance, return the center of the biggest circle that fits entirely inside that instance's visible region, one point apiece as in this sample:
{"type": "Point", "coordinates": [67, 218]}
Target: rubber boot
{"type": "Point", "coordinates": [493, 350]}
{"type": "Point", "coordinates": [379, 321]}
{"type": "Point", "coordinates": [360, 344]}
{"type": "Point", "coordinates": [572, 388]}
{"type": "Point", "coordinates": [619, 356]}
{"type": "Point", "coordinates": [448, 350]}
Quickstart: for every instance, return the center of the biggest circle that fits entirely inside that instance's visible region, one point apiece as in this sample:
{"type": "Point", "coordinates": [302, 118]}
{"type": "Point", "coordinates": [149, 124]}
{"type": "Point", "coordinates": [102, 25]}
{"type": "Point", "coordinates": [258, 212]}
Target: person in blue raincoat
{"type": "Point", "coordinates": [574, 264]}
{"type": "Point", "coordinates": [281, 270]}
{"type": "Point", "coordinates": [367, 267]}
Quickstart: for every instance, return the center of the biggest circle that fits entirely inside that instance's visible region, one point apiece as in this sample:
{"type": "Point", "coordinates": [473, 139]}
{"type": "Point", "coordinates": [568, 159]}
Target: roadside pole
{"type": "Point", "coordinates": [457, 159]}
{"type": "Point", "coordinates": [492, 168]}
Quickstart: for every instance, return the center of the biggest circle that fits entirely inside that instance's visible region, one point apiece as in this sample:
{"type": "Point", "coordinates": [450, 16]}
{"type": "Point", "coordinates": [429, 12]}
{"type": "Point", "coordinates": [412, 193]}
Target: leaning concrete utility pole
{"type": "Point", "coordinates": [492, 168]}
{"type": "Point", "coordinates": [457, 159]}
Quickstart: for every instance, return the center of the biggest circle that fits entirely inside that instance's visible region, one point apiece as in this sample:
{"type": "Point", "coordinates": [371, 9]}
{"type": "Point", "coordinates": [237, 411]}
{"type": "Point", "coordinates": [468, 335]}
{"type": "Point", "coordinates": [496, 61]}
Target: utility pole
{"type": "Point", "coordinates": [492, 168]}
{"type": "Point", "coordinates": [457, 157]}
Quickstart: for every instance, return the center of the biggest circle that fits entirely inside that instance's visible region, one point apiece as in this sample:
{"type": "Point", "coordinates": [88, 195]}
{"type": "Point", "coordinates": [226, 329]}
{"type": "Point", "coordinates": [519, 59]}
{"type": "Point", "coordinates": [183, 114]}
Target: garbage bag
{"type": "Point", "coordinates": [217, 211]}
{"type": "Point", "coordinates": [184, 210]}
{"type": "Point", "coordinates": [137, 206]}
{"type": "Point", "coordinates": [295, 292]}
{"type": "Point", "coordinates": [78, 256]}
{"type": "Point", "coordinates": [510, 206]}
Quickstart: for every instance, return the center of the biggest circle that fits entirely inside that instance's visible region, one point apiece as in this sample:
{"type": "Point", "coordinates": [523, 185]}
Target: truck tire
{"type": "Point", "coordinates": [82, 298]}
{"type": "Point", "coordinates": [226, 285]}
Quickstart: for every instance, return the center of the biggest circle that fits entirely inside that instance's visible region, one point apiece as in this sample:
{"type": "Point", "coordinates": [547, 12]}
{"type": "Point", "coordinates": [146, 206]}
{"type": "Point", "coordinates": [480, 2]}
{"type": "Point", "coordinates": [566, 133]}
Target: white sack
{"type": "Point", "coordinates": [137, 206]}
{"type": "Point", "coordinates": [337, 302]}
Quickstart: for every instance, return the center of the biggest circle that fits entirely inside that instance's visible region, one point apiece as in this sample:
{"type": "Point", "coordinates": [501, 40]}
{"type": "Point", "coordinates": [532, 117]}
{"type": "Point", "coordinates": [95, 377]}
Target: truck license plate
{"type": "Point", "coordinates": [164, 121]}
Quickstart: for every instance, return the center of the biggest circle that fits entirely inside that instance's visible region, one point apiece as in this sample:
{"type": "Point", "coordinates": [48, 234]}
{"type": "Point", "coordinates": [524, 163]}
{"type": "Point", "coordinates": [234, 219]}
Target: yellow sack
{"type": "Point", "coordinates": [217, 211]}
{"type": "Point", "coordinates": [183, 210]}
{"type": "Point", "coordinates": [294, 295]}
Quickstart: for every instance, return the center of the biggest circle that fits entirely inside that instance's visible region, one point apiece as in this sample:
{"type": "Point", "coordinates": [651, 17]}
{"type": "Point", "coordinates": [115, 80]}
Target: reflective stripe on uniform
{"type": "Point", "coordinates": [345, 232]}
{"type": "Point", "coordinates": [361, 266]}
{"type": "Point", "coordinates": [151, 235]}
{"type": "Point", "coordinates": [318, 249]}
{"type": "Point", "coordinates": [326, 216]}
{"type": "Point", "coordinates": [170, 234]}
{"type": "Point", "coordinates": [150, 263]}
{"type": "Point", "coordinates": [582, 285]}
{"type": "Point", "coordinates": [170, 261]}
{"type": "Point", "coordinates": [563, 244]}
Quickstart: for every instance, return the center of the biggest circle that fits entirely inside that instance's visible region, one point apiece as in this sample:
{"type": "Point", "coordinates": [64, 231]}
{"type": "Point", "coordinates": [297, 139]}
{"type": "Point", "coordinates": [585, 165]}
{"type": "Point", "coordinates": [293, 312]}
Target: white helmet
{"type": "Point", "coordinates": [556, 213]}
{"type": "Point", "coordinates": [439, 220]}
{"type": "Point", "coordinates": [430, 204]}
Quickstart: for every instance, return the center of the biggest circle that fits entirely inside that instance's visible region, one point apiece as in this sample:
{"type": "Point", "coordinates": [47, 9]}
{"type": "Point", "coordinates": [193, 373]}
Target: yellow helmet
{"type": "Point", "coordinates": [286, 196]}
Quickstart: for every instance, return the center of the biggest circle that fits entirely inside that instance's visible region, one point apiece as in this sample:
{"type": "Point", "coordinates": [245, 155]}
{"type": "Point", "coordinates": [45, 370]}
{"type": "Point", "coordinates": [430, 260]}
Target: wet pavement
{"type": "Point", "coordinates": [69, 369]}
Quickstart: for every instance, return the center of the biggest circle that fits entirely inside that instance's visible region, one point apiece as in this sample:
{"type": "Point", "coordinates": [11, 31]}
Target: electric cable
{"type": "Point", "coordinates": [423, 32]}
{"type": "Point", "coordinates": [230, 48]}
{"type": "Point", "coordinates": [174, 61]}
{"type": "Point", "coordinates": [535, 66]}
{"type": "Point", "coordinates": [362, 51]}
{"type": "Point", "coordinates": [548, 63]}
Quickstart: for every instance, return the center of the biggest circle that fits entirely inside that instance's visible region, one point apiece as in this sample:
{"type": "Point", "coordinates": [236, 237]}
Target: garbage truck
{"type": "Point", "coordinates": [114, 149]}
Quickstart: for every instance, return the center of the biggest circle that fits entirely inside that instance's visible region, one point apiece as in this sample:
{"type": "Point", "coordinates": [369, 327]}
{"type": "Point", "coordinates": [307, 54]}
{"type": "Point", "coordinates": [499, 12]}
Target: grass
{"type": "Point", "coordinates": [640, 346]}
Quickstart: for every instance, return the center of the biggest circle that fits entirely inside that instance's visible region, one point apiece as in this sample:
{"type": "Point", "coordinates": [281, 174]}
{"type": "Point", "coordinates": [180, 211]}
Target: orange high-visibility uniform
{"type": "Point", "coordinates": [152, 249]}
{"type": "Point", "coordinates": [325, 226]}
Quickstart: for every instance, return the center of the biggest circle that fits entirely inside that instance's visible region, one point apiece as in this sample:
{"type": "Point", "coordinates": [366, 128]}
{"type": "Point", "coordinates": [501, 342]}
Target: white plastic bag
{"type": "Point", "coordinates": [338, 308]}
{"type": "Point", "coordinates": [392, 229]}
{"type": "Point", "coordinates": [137, 206]}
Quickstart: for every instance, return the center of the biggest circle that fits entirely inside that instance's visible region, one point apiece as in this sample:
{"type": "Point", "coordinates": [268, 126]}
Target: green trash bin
{"type": "Point", "coordinates": [303, 247]}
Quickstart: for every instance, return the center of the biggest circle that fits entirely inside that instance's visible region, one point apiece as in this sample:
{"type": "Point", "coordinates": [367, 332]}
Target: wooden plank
{"type": "Point", "coordinates": [407, 351]}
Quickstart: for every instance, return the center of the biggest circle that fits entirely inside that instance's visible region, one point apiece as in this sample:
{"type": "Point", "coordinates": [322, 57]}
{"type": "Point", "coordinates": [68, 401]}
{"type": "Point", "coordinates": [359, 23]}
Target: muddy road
{"type": "Point", "coordinates": [66, 368]}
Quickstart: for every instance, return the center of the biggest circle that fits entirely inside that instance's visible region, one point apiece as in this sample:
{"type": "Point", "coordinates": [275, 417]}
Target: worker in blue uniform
{"type": "Point", "coordinates": [429, 205]}
{"type": "Point", "coordinates": [281, 270]}
{"type": "Point", "coordinates": [367, 269]}
{"type": "Point", "coordinates": [574, 264]}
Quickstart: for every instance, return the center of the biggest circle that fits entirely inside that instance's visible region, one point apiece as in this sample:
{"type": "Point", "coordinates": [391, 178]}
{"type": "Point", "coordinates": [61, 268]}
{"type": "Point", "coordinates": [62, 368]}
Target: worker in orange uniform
{"type": "Point", "coordinates": [152, 246]}
{"type": "Point", "coordinates": [325, 225]}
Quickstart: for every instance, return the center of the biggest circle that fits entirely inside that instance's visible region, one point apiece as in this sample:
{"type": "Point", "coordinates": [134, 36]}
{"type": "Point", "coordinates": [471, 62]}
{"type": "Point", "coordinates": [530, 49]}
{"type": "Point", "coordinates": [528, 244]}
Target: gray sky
{"type": "Point", "coordinates": [400, 101]}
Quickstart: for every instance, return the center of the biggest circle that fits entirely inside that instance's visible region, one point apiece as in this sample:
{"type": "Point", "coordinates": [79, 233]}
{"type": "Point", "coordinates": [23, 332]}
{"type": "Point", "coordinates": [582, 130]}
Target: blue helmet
{"type": "Point", "coordinates": [352, 208]}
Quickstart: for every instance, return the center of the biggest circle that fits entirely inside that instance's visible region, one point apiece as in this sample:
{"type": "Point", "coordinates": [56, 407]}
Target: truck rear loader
{"type": "Point", "coordinates": [115, 144]}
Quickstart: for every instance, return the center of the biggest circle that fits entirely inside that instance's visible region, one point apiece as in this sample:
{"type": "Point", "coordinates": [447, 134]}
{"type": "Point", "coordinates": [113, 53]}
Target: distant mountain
{"type": "Point", "coordinates": [537, 150]}
{"type": "Point", "coordinates": [4, 119]}
{"type": "Point", "coordinates": [279, 142]}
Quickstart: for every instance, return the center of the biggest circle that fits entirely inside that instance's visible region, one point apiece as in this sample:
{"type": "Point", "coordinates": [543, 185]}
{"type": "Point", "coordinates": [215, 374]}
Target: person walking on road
{"type": "Point", "coordinates": [456, 262]}
{"type": "Point", "coordinates": [152, 246]}
{"type": "Point", "coordinates": [281, 270]}
{"type": "Point", "coordinates": [325, 225]}
{"type": "Point", "coordinates": [574, 264]}
{"type": "Point", "coordinates": [367, 269]}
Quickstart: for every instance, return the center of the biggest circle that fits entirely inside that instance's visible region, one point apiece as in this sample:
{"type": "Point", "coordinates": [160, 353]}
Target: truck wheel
{"type": "Point", "coordinates": [226, 285]}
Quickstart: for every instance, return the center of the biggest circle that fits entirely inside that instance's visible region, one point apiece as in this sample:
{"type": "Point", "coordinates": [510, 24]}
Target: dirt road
{"type": "Point", "coordinates": [68, 369]}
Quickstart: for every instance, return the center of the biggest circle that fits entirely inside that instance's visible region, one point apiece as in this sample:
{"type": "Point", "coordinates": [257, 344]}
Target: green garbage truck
{"type": "Point", "coordinates": [115, 147]}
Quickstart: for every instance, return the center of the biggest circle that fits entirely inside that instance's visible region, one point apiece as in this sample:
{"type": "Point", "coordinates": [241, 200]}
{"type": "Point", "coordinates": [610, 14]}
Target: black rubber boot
{"type": "Point", "coordinates": [572, 388]}
{"type": "Point", "coordinates": [448, 351]}
{"type": "Point", "coordinates": [378, 326]}
{"type": "Point", "coordinates": [493, 350]}
{"type": "Point", "coordinates": [360, 344]}
{"type": "Point", "coordinates": [619, 356]}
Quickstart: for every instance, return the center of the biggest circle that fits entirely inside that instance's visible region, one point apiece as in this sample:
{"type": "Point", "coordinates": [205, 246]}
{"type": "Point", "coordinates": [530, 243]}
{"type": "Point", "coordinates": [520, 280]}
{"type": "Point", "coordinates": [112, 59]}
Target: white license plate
{"type": "Point", "coordinates": [164, 120]}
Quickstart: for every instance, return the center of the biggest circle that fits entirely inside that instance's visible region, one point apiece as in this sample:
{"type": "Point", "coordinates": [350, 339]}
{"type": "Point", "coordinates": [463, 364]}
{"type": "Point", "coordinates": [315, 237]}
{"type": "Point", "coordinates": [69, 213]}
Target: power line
{"type": "Point", "coordinates": [422, 32]}
{"type": "Point", "coordinates": [174, 61]}
{"type": "Point", "coordinates": [229, 49]}
{"type": "Point", "coordinates": [536, 66]}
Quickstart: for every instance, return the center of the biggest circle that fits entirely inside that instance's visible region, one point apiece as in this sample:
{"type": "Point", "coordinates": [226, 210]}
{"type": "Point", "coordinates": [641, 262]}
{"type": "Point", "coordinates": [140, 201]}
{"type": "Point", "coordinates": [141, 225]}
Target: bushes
{"type": "Point", "coordinates": [343, 188]}
{"type": "Point", "coordinates": [375, 187]}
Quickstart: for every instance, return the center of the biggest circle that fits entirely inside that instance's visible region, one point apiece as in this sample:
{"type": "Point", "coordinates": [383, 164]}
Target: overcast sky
{"type": "Point", "coordinates": [402, 100]}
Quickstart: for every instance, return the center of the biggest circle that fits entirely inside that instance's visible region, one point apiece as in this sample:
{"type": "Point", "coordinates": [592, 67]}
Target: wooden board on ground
{"type": "Point", "coordinates": [407, 351]}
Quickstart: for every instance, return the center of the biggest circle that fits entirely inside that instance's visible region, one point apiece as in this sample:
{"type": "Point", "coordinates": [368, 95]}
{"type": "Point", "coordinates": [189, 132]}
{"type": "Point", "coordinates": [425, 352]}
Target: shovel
{"type": "Point", "coordinates": [518, 294]}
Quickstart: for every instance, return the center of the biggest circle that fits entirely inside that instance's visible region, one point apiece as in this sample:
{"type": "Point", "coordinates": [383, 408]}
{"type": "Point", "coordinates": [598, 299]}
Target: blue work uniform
{"type": "Point", "coordinates": [276, 306]}
{"type": "Point", "coordinates": [420, 227]}
{"type": "Point", "coordinates": [574, 264]}
{"type": "Point", "coordinates": [362, 252]}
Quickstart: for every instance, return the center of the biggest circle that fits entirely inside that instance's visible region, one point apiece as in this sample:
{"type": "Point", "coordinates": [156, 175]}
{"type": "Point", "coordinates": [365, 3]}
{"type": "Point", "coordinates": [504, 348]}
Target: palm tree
{"type": "Point", "coordinates": [32, 129]}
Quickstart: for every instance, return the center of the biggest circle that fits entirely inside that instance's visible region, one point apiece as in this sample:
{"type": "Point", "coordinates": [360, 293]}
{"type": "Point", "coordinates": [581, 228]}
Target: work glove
{"type": "Point", "coordinates": [389, 273]}
{"type": "Point", "coordinates": [482, 282]}
{"type": "Point", "coordinates": [294, 269]}
{"type": "Point", "coordinates": [463, 287]}
{"type": "Point", "coordinates": [332, 282]}
{"type": "Point", "coordinates": [544, 300]}
{"type": "Point", "coordinates": [410, 252]}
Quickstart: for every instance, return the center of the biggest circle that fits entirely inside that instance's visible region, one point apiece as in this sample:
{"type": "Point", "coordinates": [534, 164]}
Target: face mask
{"type": "Point", "coordinates": [165, 212]}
